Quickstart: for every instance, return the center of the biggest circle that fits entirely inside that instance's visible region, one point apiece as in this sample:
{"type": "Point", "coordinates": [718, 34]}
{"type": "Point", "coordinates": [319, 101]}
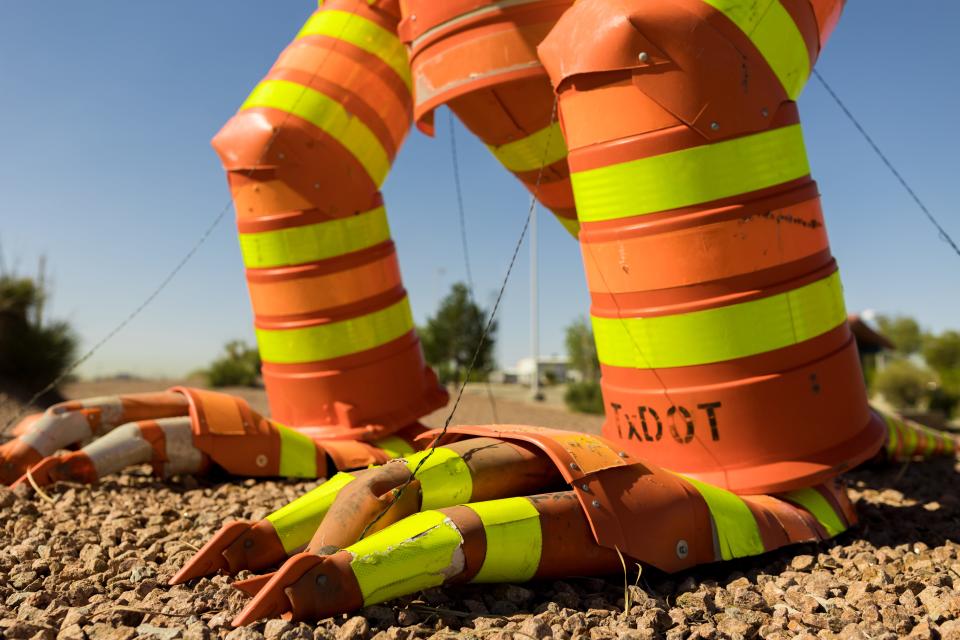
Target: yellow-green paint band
{"type": "Point", "coordinates": [814, 502]}
{"type": "Point", "coordinates": [361, 33]}
{"type": "Point", "coordinates": [771, 29]}
{"type": "Point", "coordinates": [393, 446]}
{"type": "Point", "coordinates": [540, 149]}
{"type": "Point", "coordinates": [514, 540]}
{"type": "Point", "coordinates": [298, 454]}
{"type": "Point", "coordinates": [445, 479]}
{"type": "Point", "coordinates": [690, 176]}
{"type": "Point", "coordinates": [418, 552]}
{"type": "Point", "coordinates": [336, 339]}
{"type": "Point", "coordinates": [329, 116]}
{"type": "Point", "coordinates": [314, 242]}
{"type": "Point", "coordinates": [737, 532]}
{"type": "Point", "coordinates": [296, 522]}
{"type": "Point", "coordinates": [722, 333]}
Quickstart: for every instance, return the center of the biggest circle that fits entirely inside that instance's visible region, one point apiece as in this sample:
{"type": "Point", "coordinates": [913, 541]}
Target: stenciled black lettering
{"type": "Point", "coordinates": [687, 419]}
{"type": "Point", "coordinates": [632, 433]}
{"type": "Point", "coordinates": [616, 412]}
{"type": "Point", "coordinates": [643, 424]}
{"type": "Point", "coordinates": [711, 409]}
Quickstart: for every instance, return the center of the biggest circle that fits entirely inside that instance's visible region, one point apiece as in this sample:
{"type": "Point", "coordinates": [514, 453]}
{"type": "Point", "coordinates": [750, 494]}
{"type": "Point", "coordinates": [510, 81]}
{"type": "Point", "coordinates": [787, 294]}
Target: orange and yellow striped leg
{"type": "Point", "coordinates": [305, 156]}
{"type": "Point", "coordinates": [524, 538]}
{"type": "Point", "coordinates": [74, 422]}
{"type": "Point", "coordinates": [910, 440]}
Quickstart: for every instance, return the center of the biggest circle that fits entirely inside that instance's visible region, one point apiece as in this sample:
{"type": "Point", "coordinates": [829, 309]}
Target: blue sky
{"type": "Point", "coordinates": [108, 107]}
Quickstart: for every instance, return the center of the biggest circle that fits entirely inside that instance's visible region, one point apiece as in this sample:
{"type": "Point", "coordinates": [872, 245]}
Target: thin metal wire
{"type": "Point", "coordinates": [483, 336]}
{"type": "Point", "coordinates": [180, 264]}
{"type": "Point", "coordinates": [463, 240]}
{"type": "Point", "coordinates": [866, 136]}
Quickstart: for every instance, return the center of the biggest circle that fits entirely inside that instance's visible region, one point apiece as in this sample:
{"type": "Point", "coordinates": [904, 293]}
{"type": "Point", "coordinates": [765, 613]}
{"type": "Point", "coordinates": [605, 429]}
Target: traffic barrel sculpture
{"type": "Point", "coordinates": [716, 304]}
{"type": "Point", "coordinates": [305, 157]}
{"type": "Point", "coordinates": [479, 58]}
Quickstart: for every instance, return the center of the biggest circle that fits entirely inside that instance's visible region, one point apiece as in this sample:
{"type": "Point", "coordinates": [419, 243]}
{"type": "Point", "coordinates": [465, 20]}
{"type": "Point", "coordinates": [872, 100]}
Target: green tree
{"type": "Point", "coordinates": [904, 384]}
{"type": "Point", "coordinates": [238, 367]}
{"type": "Point", "coordinates": [582, 350]}
{"type": "Point", "coordinates": [452, 337]}
{"type": "Point", "coordinates": [903, 331]}
{"type": "Point", "coordinates": [33, 352]}
{"type": "Point", "coordinates": [942, 354]}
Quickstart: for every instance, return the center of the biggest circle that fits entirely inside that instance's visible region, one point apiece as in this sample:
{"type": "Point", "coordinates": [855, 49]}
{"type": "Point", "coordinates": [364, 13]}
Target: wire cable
{"type": "Point", "coordinates": [458, 188]}
{"type": "Point", "coordinates": [866, 136]}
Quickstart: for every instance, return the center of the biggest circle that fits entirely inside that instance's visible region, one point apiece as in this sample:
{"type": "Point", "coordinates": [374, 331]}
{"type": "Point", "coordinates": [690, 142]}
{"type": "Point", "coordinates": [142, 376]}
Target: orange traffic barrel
{"type": "Point", "coordinates": [479, 57]}
{"type": "Point", "coordinates": [305, 157]}
{"type": "Point", "coordinates": [716, 304]}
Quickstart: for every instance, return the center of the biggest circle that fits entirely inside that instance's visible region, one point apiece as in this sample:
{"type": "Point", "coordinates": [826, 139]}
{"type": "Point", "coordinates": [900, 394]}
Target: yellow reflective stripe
{"type": "Point", "coordinates": [690, 176]}
{"type": "Point", "coordinates": [329, 116]}
{"type": "Point", "coordinates": [393, 446]}
{"type": "Point", "coordinates": [539, 149]}
{"type": "Point", "coordinates": [723, 333]}
{"type": "Point", "coordinates": [771, 29]}
{"type": "Point", "coordinates": [814, 502]}
{"type": "Point", "coordinates": [296, 522]}
{"type": "Point", "coordinates": [298, 454]}
{"type": "Point", "coordinates": [364, 34]}
{"type": "Point", "coordinates": [909, 440]}
{"type": "Point", "coordinates": [291, 346]}
{"type": "Point", "coordinates": [445, 479]}
{"type": "Point", "coordinates": [514, 540]}
{"type": "Point", "coordinates": [893, 438]}
{"type": "Point", "coordinates": [313, 242]}
{"type": "Point", "coordinates": [738, 534]}
{"type": "Point", "coordinates": [415, 553]}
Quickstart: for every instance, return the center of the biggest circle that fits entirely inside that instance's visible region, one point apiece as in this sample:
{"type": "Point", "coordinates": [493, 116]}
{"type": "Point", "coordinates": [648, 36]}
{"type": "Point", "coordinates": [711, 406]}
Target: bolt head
{"type": "Point", "coordinates": [261, 460]}
{"type": "Point", "coordinates": [585, 487]}
{"type": "Point", "coordinates": [622, 454]}
{"type": "Point", "coordinates": [595, 504]}
{"type": "Point", "coordinates": [764, 112]}
{"type": "Point", "coordinates": [715, 126]}
{"type": "Point", "coordinates": [683, 549]}
{"type": "Point", "coordinates": [575, 466]}
{"type": "Point", "coordinates": [644, 56]}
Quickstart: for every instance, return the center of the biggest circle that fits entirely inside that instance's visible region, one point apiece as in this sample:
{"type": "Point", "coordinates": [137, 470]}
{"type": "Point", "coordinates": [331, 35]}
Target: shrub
{"type": "Point", "coordinates": [33, 353]}
{"type": "Point", "coordinates": [903, 383]}
{"type": "Point", "coordinates": [240, 367]}
{"type": "Point", "coordinates": [584, 397]}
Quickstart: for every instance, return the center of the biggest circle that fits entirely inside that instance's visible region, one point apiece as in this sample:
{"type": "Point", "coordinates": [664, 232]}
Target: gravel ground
{"type": "Point", "coordinates": [94, 564]}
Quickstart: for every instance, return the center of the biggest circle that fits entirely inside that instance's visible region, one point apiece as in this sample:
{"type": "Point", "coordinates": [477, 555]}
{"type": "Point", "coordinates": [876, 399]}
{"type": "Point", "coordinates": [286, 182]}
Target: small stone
{"type": "Point", "coordinates": [244, 633]}
{"type": "Point", "coordinates": [104, 631]}
{"type": "Point", "coordinates": [356, 628]}
{"type": "Point", "coordinates": [535, 627]}
{"type": "Point", "coordinates": [161, 633]}
{"type": "Point", "coordinates": [275, 628]}
{"type": "Point", "coordinates": [802, 563]}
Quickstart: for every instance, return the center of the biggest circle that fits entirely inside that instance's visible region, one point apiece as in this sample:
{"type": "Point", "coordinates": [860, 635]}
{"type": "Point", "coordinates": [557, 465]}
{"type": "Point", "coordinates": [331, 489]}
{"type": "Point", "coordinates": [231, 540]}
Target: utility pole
{"type": "Point", "coordinates": [534, 309]}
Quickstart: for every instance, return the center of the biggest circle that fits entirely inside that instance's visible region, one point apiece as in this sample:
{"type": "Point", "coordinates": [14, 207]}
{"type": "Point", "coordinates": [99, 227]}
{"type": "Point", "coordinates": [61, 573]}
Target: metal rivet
{"type": "Point", "coordinates": [682, 549]}
{"type": "Point", "coordinates": [574, 466]}
{"type": "Point", "coordinates": [261, 460]}
{"type": "Point", "coordinates": [715, 126]}
{"type": "Point", "coordinates": [320, 580]}
{"type": "Point", "coordinates": [644, 56]}
{"type": "Point", "coordinates": [595, 504]}
{"type": "Point", "coordinates": [585, 487]}
{"type": "Point", "coordinates": [413, 17]}
{"type": "Point", "coordinates": [248, 543]}
{"type": "Point", "coordinates": [764, 112]}
{"type": "Point", "coordinates": [622, 454]}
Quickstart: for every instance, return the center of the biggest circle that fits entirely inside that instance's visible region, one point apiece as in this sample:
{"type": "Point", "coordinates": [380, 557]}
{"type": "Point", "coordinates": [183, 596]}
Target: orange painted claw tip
{"type": "Point", "coordinates": [252, 586]}
{"type": "Point", "coordinates": [210, 558]}
{"type": "Point", "coordinates": [271, 600]}
{"type": "Point", "coordinates": [40, 472]}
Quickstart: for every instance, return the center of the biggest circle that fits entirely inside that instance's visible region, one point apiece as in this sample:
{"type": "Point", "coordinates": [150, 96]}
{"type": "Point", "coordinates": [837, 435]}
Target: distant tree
{"type": "Point", "coordinates": [903, 331]}
{"type": "Point", "coordinates": [452, 336]}
{"type": "Point", "coordinates": [582, 350]}
{"type": "Point", "coordinates": [942, 354]}
{"type": "Point", "coordinates": [904, 384]}
{"type": "Point", "coordinates": [33, 352]}
{"type": "Point", "coordinates": [238, 367]}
